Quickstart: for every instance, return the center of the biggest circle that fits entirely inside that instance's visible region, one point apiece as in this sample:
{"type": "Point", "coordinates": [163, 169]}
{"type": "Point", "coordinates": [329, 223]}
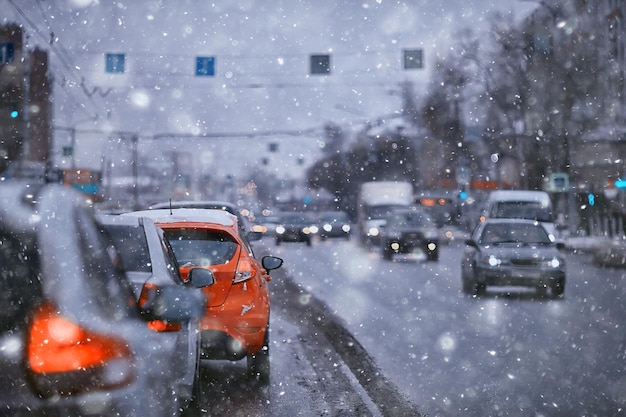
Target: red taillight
{"type": "Point", "coordinates": [65, 358]}
{"type": "Point", "coordinates": [147, 293]}
{"type": "Point", "coordinates": [245, 270]}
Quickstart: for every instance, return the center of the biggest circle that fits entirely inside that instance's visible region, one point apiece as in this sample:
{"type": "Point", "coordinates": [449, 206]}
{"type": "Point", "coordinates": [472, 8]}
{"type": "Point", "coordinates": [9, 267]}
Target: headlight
{"type": "Point", "coordinates": [491, 260]}
{"type": "Point", "coordinates": [373, 231]}
{"type": "Point", "coordinates": [554, 262]}
{"type": "Point", "coordinates": [327, 227]}
{"type": "Point", "coordinates": [280, 229]}
{"type": "Point", "coordinates": [345, 228]}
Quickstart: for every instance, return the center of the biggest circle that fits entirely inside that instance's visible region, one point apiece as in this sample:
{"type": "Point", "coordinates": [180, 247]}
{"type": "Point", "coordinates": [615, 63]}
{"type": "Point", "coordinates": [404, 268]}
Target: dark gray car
{"type": "Point", "coordinates": [512, 252]}
{"type": "Point", "coordinates": [73, 340]}
{"type": "Point", "coordinates": [407, 231]}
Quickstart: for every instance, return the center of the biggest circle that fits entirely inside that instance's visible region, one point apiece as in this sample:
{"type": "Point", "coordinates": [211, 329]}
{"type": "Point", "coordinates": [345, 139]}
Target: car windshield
{"type": "Point", "coordinates": [381, 211]}
{"type": "Point", "coordinates": [295, 219]}
{"type": "Point", "coordinates": [201, 247]}
{"type": "Point", "coordinates": [522, 210]}
{"type": "Point", "coordinates": [409, 220]}
{"type": "Point", "coordinates": [514, 233]}
{"type": "Point", "coordinates": [334, 217]}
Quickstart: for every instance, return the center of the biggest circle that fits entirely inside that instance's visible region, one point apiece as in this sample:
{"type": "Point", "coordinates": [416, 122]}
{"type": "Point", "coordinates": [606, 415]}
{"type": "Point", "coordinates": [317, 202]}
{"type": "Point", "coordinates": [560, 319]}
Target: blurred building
{"type": "Point", "coordinates": [25, 91]}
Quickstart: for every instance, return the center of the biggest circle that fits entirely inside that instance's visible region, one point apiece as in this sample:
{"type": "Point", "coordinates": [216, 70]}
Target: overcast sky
{"type": "Point", "coordinates": [261, 51]}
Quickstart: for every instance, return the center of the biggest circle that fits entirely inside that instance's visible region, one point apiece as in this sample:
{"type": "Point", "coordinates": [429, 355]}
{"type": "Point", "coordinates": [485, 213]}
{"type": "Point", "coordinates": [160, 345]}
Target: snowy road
{"type": "Point", "coordinates": [504, 354]}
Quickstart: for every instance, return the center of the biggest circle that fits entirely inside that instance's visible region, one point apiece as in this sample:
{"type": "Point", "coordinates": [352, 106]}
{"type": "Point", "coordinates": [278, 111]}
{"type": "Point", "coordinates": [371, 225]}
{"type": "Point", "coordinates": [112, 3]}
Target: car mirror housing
{"type": "Point", "coordinates": [200, 277]}
{"type": "Point", "coordinates": [471, 242]}
{"type": "Point", "coordinates": [174, 303]}
{"type": "Point", "coordinates": [271, 262]}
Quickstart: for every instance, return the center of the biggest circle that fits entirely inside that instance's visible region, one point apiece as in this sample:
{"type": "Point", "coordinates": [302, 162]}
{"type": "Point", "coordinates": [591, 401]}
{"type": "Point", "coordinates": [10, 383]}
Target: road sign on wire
{"type": "Point", "coordinates": [205, 66]}
{"type": "Point", "coordinates": [114, 63]}
{"type": "Point", "coordinates": [413, 59]}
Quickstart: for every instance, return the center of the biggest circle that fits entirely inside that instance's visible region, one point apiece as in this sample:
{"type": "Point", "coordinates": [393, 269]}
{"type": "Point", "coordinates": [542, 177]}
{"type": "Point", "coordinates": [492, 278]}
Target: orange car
{"type": "Point", "coordinates": [236, 321]}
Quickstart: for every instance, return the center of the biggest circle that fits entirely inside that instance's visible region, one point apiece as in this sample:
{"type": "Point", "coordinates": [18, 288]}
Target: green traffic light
{"type": "Point", "coordinates": [14, 114]}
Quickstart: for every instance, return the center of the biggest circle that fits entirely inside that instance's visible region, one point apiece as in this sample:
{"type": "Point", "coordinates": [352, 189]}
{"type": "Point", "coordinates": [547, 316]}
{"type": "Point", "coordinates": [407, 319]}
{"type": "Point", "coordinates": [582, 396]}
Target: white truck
{"type": "Point", "coordinates": [375, 200]}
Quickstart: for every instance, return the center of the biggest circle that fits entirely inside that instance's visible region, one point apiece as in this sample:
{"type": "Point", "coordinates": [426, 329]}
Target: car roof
{"type": "Point", "coordinates": [518, 195]}
{"type": "Point", "coordinates": [204, 204]}
{"type": "Point", "coordinates": [105, 218]}
{"type": "Point", "coordinates": [491, 220]}
{"type": "Point", "coordinates": [192, 215]}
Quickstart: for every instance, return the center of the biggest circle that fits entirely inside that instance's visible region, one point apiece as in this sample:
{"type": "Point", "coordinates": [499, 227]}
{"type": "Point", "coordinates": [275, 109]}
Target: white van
{"type": "Point", "coordinates": [521, 204]}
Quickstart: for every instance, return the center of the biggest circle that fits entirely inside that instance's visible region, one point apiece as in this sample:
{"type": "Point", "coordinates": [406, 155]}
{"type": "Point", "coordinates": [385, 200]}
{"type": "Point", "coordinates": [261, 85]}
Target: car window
{"type": "Point", "coordinates": [132, 246]}
{"type": "Point", "coordinates": [500, 233]}
{"type": "Point", "coordinates": [106, 281]}
{"type": "Point", "coordinates": [201, 247]}
{"type": "Point", "coordinates": [521, 210]}
{"type": "Point", "coordinates": [408, 220]}
{"type": "Point", "coordinates": [170, 257]}
{"type": "Point", "coordinates": [20, 287]}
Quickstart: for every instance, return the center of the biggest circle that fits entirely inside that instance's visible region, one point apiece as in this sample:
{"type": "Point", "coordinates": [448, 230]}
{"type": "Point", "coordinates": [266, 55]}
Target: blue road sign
{"type": "Point", "coordinates": [205, 66]}
{"type": "Point", "coordinates": [114, 63]}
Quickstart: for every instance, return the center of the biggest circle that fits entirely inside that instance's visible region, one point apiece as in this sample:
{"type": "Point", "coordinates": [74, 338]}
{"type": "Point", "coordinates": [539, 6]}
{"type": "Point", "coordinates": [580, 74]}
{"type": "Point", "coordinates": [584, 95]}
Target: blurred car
{"type": "Point", "coordinates": [295, 227]}
{"type": "Point", "coordinates": [333, 224]}
{"type": "Point", "coordinates": [73, 340]}
{"type": "Point", "coordinates": [149, 264]}
{"type": "Point", "coordinates": [235, 324]}
{"type": "Point", "coordinates": [266, 225]}
{"type": "Point", "coordinates": [408, 230]}
{"type": "Point", "coordinates": [512, 252]}
{"type": "Point", "coordinates": [243, 221]}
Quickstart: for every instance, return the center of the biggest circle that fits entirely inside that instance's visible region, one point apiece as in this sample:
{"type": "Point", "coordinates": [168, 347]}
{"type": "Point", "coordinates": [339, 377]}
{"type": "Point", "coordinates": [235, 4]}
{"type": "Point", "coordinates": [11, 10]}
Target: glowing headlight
{"type": "Point", "coordinates": [327, 227]}
{"type": "Point", "coordinates": [280, 229]}
{"type": "Point", "coordinates": [554, 262]}
{"type": "Point", "coordinates": [373, 231]}
{"type": "Point", "coordinates": [314, 229]}
{"type": "Point", "coordinates": [494, 261]}
{"type": "Point", "coordinates": [345, 228]}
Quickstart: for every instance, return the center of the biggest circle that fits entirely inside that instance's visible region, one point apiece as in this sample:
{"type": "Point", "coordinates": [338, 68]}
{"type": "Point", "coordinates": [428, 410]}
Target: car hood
{"type": "Point", "coordinates": [519, 251]}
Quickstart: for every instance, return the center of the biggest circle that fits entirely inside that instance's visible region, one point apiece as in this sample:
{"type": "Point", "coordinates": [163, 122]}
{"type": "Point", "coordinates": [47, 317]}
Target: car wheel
{"type": "Point", "coordinates": [308, 242]}
{"type": "Point", "coordinates": [259, 362]}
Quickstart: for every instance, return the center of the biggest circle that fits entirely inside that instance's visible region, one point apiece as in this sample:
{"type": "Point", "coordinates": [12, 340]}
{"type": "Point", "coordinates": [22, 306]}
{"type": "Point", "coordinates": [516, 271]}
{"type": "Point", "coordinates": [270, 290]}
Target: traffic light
{"type": "Point", "coordinates": [463, 194]}
{"type": "Point", "coordinates": [591, 199]}
{"type": "Point", "coordinates": [14, 113]}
